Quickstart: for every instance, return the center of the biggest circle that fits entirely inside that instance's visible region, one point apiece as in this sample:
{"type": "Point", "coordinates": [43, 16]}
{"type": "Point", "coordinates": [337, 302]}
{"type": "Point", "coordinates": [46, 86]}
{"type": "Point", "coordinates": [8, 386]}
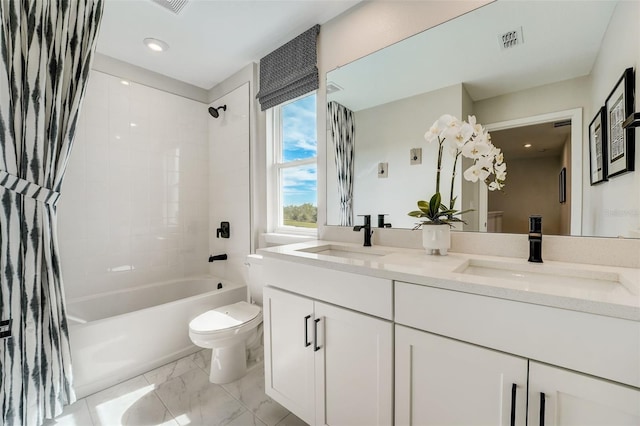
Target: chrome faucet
{"type": "Point", "coordinates": [535, 239]}
{"type": "Point", "coordinates": [367, 229]}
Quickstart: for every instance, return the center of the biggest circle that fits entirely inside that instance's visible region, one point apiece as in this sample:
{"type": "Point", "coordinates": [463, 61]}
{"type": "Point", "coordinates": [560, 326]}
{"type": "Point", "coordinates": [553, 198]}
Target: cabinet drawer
{"type": "Point", "coordinates": [598, 345]}
{"type": "Point", "coordinates": [362, 293]}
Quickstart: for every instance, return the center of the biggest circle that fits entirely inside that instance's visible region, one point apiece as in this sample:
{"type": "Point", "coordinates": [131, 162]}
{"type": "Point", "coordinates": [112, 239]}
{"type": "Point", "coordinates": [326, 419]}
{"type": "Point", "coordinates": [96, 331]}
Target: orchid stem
{"type": "Point", "coordinates": [453, 178]}
{"type": "Point", "coordinates": [440, 142]}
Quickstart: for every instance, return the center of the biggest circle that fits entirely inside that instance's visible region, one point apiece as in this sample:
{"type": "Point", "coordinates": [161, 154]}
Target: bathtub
{"type": "Point", "coordinates": [119, 335]}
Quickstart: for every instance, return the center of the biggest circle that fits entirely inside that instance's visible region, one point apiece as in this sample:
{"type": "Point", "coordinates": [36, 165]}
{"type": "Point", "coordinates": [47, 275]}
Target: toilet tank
{"type": "Point", "coordinates": [254, 278]}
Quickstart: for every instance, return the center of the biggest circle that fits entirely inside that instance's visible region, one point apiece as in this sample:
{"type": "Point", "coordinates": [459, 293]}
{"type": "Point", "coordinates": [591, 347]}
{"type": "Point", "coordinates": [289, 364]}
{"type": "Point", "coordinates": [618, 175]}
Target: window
{"type": "Point", "coordinates": [294, 204]}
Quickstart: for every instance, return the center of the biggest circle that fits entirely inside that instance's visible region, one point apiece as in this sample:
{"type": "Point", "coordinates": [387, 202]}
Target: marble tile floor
{"type": "Point", "coordinates": [179, 393]}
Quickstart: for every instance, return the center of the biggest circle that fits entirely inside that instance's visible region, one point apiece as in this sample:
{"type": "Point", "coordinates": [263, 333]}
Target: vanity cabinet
{"type": "Point", "coordinates": [572, 398]}
{"type": "Point", "coordinates": [483, 371]}
{"type": "Point", "coordinates": [326, 364]}
{"type": "Point", "coordinates": [441, 381]}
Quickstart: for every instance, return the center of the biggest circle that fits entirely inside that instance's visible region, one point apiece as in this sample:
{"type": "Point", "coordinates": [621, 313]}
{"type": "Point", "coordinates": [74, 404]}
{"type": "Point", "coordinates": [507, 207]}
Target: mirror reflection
{"type": "Point", "coordinates": [533, 73]}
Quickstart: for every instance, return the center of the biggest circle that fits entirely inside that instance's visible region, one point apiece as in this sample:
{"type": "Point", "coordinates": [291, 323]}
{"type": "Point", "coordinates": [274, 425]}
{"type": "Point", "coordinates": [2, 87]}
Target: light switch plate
{"type": "Point", "coordinates": [383, 170]}
{"type": "Point", "coordinates": [415, 156]}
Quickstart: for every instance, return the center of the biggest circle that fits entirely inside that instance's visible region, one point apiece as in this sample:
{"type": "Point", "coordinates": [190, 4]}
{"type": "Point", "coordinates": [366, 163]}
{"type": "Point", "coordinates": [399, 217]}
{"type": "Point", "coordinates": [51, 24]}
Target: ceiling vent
{"type": "Point", "coordinates": [510, 39]}
{"type": "Point", "coordinates": [174, 6]}
{"type": "Point", "coordinates": [562, 123]}
{"type": "Point", "coordinates": [332, 87]}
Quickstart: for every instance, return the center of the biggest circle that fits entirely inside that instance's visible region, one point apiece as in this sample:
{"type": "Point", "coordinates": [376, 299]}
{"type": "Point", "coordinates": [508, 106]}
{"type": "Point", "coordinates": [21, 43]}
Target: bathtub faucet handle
{"type": "Point", "coordinates": [213, 258]}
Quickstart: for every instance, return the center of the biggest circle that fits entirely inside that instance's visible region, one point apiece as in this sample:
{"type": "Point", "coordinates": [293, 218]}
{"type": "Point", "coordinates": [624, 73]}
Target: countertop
{"type": "Point", "coordinates": [596, 293]}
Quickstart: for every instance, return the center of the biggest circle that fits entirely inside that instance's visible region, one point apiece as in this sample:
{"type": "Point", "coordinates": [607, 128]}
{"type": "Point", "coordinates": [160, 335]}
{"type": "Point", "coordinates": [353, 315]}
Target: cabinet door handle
{"type": "Point", "coordinates": [542, 408]}
{"type": "Point", "coordinates": [316, 348]}
{"type": "Point", "coordinates": [514, 388]}
{"type": "Point", "coordinates": [306, 331]}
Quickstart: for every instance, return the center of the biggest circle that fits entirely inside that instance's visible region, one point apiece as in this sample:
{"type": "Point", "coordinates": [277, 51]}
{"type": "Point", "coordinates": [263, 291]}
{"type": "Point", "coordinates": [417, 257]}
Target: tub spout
{"type": "Point", "coordinates": [213, 258]}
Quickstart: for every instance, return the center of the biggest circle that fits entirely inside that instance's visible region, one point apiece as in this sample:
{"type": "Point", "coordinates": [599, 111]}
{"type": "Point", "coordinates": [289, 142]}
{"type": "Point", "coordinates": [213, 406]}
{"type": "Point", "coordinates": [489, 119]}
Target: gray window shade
{"type": "Point", "coordinates": [289, 71]}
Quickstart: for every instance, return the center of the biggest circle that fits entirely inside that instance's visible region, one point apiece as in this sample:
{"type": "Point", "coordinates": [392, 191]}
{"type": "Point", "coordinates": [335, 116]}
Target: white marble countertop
{"type": "Point", "coordinates": [602, 290]}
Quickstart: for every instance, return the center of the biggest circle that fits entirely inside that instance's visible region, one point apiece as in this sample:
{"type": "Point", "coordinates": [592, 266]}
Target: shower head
{"type": "Point", "coordinates": [214, 111]}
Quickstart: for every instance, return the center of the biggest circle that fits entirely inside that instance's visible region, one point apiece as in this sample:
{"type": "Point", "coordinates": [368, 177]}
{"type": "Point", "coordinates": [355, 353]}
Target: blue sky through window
{"type": "Point", "coordinates": [298, 143]}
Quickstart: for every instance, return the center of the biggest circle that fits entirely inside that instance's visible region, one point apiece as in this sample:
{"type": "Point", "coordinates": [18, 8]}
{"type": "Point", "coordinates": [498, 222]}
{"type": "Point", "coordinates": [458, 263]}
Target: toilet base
{"type": "Point", "coordinates": [228, 363]}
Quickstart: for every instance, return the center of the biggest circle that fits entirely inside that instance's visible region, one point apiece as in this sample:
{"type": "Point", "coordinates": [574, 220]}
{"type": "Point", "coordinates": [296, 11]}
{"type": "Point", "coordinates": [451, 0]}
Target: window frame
{"type": "Point", "coordinates": [275, 172]}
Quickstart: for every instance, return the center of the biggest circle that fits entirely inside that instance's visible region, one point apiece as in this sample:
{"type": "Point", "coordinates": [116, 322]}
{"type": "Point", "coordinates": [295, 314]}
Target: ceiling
{"type": "Point", "coordinates": [209, 40]}
{"type": "Point", "coordinates": [546, 140]}
{"type": "Point", "coordinates": [561, 42]}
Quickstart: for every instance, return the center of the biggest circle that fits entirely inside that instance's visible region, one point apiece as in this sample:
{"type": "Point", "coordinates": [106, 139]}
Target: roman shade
{"type": "Point", "coordinates": [289, 71]}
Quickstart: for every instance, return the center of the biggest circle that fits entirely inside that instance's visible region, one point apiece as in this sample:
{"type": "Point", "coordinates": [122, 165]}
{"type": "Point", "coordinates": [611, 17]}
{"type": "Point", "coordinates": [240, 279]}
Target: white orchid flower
{"type": "Point", "coordinates": [500, 168]}
{"type": "Point", "coordinates": [477, 128]}
{"type": "Point", "coordinates": [475, 172]}
{"type": "Point", "coordinates": [433, 133]}
{"type": "Point", "coordinates": [494, 186]}
{"type": "Point", "coordinates": [475, 149]}
{"type": "Point", "coordinates": [445, 121]}
{"type": "Point", "coordinates": [486, 163]}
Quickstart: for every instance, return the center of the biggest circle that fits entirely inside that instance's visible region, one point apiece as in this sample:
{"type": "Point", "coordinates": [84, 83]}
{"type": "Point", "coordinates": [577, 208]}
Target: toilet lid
{"type": "Point", "coordinates": [224, 318]}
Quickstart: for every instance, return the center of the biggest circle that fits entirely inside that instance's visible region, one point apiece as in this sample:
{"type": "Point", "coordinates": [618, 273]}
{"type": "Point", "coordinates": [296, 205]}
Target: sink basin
{"type": "Point", "coordinates": [541, 276]}
{"type": "Point", "coordinates": [348, 252]}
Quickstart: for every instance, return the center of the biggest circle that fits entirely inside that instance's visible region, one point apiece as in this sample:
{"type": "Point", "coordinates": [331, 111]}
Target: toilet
{"type": "Point", "coordinates": [227, 330]}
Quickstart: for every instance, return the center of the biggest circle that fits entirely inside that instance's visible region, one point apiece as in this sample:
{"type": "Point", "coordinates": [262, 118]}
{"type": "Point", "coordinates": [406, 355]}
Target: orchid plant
{"type": "Point", "coordinates": [466, 139]}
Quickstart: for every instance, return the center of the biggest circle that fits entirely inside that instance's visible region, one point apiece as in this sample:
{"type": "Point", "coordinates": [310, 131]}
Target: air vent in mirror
{"type": "Point", "coordinates": [174, 6]}
{"type": "Point", "coordinates": [510, 39]}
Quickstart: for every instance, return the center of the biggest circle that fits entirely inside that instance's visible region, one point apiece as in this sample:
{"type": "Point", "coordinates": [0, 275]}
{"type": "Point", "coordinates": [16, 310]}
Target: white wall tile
{"type": "Point", "coordinates": [131, 211]}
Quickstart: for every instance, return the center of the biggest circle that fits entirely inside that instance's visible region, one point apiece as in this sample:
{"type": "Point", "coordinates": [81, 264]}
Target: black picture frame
{"type": "Point", "coordinates": [562, 186]}
{"type": "Point", "coordinates": [598, 147]}
{"type": "Point", "coordinates": [620, 141]}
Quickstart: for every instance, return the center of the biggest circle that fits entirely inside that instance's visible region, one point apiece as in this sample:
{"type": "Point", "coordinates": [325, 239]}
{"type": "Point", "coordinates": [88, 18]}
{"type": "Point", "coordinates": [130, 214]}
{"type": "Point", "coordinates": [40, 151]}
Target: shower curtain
{"type": "Point", "coordinates": [46, 47]}
{"type": "Point", "coordinates": [343, 133]}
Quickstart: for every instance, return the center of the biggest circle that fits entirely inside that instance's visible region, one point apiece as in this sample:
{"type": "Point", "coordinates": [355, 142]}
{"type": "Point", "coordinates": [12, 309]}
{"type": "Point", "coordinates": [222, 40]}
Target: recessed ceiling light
{"type": "Point", "coordinates": [125, 82]}
{"type": "Point", "coordinates": [156, 45]}
{"type": "Point", "coordinates": [527, 145]}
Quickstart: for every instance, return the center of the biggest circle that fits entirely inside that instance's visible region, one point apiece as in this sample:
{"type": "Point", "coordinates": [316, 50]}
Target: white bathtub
{"type": "Point", "coordinates": [116, 336]}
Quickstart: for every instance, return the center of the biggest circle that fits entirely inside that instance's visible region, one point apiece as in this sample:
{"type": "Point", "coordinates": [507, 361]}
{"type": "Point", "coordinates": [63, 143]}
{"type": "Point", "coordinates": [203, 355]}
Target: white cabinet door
{"type": "Point", "coordinates": [576, 399]}
{"type": "Point", "coordinates": [354, 368]}
{"type": "Point", "coordinates": [440, 381]}
{"type": "Point", "coordinates": [289, 370]}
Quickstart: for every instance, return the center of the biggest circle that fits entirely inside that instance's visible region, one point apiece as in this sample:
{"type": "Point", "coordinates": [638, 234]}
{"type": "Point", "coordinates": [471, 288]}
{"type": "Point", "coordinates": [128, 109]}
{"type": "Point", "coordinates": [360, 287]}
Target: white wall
{"type": "Point", "coordinates": [229, 196]}
{"type": "Point", "coordinates": [611, 208]}
{"type": "Point", "coordinates": [134, 206]}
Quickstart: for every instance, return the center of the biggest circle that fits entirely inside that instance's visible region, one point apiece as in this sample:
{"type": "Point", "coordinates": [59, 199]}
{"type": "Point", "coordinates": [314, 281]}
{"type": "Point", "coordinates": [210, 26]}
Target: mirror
{"type": "Point", "coordinates": [532, 73]}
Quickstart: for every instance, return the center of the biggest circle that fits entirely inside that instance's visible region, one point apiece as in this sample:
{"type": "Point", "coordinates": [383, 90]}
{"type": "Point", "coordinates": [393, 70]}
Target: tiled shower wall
{"type": "Point", "coordinates": [134, 206]}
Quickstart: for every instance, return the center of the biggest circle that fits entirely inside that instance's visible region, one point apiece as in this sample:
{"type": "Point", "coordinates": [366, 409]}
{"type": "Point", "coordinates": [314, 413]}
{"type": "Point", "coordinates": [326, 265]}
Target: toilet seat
{"type": "Point", "coordinates": [225, 319]}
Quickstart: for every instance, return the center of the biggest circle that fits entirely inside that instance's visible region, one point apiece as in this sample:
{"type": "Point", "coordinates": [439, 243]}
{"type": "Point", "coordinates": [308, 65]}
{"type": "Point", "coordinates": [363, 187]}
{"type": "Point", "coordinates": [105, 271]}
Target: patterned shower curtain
{"type": "Point", "coordinates": [343, 133]}
{"type": "Point", "coordinates": [46, 47]}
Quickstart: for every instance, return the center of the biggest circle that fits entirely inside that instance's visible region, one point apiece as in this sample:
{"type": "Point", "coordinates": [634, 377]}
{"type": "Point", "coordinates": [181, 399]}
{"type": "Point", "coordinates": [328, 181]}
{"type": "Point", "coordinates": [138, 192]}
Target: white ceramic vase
{"type": "Point", "coordinates": [436, 239]}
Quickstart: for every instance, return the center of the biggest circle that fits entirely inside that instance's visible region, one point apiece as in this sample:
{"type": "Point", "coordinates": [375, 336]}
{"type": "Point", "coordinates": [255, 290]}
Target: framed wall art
{"type": "Point", "coordinates": [562, 186]}
{"type": "Point", "coordinates": [620, 141]}
{"type": "Point", "coordinates": [598, 147]}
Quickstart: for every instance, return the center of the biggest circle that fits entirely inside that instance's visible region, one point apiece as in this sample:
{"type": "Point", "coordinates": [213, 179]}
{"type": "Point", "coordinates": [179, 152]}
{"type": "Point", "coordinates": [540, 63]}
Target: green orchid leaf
{"type": "Point", "coordinates": [465, 211]}
{"type": "Point", "coordinates": [434, 203]}
{"type": "Point", "coordinates": [416, 213]}
{"type": "Point", "coordinates": [453, 202]}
